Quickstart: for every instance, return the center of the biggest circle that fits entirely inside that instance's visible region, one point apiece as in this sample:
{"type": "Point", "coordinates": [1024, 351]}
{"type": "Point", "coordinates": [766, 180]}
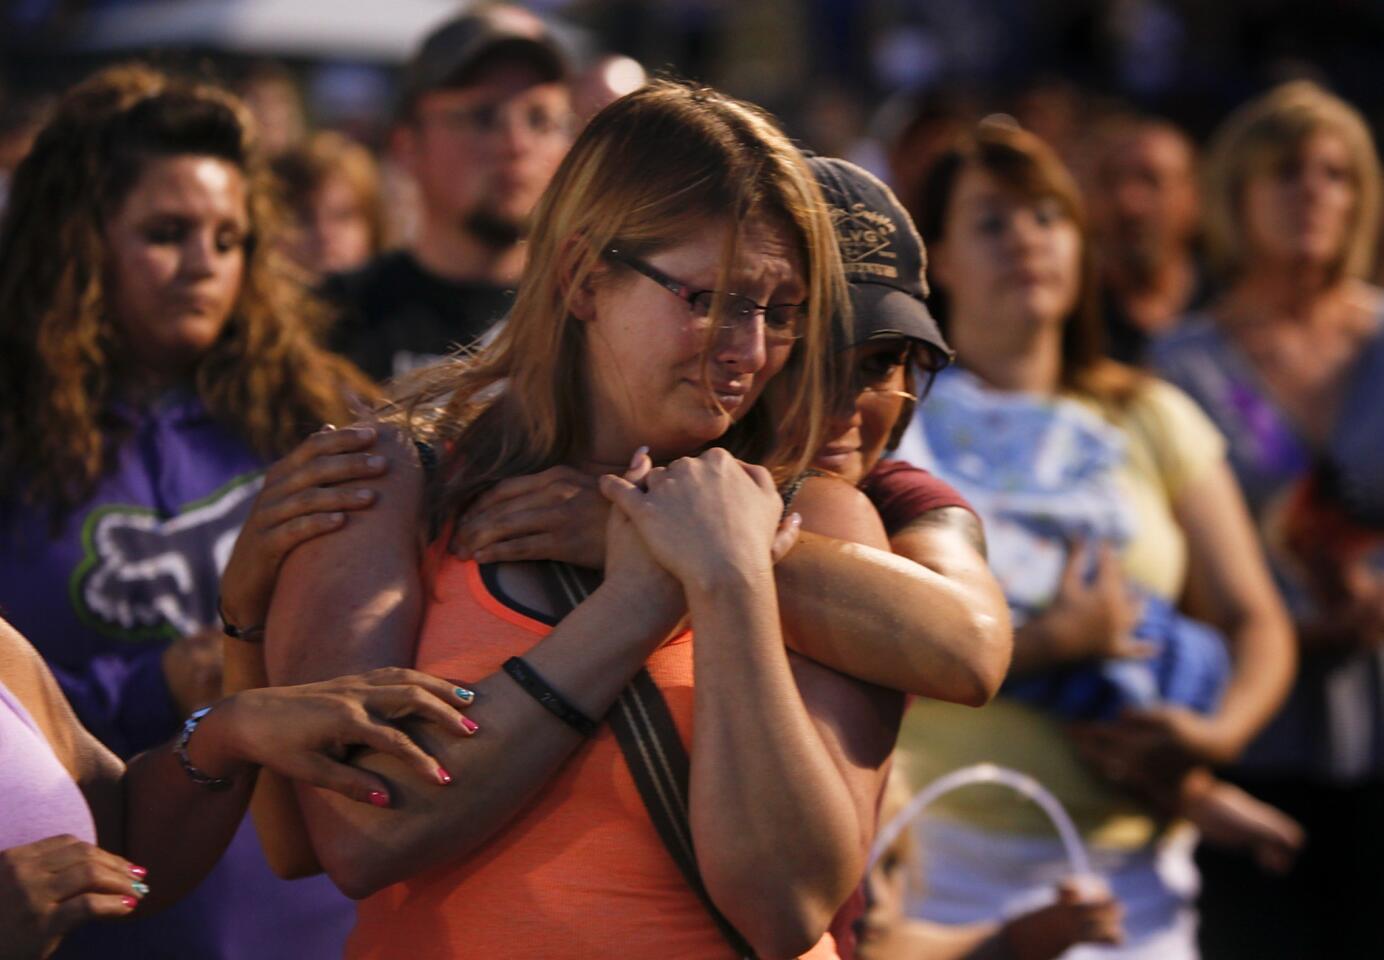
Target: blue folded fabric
{"type": "Point", "coordinates": [1190, 668]}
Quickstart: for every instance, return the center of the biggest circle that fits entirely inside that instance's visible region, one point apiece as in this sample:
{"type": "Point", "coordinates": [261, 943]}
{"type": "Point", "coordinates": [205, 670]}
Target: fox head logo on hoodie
{"type": "Point", "coordinates": [144, 576]}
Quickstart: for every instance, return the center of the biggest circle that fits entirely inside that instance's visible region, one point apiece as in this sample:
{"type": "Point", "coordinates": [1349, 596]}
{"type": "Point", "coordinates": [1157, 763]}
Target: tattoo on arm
{"type": "Point", "coordinates": [959, 520]}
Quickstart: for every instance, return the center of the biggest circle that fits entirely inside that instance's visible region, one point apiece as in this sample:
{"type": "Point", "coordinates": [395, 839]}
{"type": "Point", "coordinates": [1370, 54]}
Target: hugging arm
{"type": "Point", "coordinates": [937, 628]}
{"type": "Point", "coordinates": [958, 628]}
{"type": "Point", "coordinates": [787, 755]}
{"type": "Point", "coordinates": [354, 600]}
{"type": "Point", "coordinates": [313, 491]}
{"type": "Point", "coordinates": [887, 619]}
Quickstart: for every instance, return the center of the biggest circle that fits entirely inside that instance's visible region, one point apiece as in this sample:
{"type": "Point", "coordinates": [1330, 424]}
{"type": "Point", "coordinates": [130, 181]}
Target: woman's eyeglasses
{"type": "Point", "coordinates": [782, 321]}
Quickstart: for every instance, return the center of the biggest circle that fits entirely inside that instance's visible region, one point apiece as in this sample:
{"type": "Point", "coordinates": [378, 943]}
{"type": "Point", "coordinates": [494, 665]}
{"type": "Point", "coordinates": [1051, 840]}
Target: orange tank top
{"type": "Point", "coordinates": [579, 872]}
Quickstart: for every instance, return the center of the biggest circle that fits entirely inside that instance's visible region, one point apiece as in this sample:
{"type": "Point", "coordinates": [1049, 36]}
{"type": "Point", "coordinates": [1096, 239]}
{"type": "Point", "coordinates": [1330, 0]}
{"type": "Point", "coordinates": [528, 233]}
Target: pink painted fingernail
{"type": "Point", "coordinates": [130, 902]}
{"type": "Point", "coordinates": [379, 798]}
{"type": "Point", "coordinates": [139, 871]}
{"type": "Point", "coordinates": [469, 725]}
{"type": "Point", "coordinates": [443, 776]}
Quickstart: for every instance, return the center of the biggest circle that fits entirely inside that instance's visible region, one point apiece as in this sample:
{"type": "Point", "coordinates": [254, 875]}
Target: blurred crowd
{"type": "Point", "coordinates": [1114, 381]}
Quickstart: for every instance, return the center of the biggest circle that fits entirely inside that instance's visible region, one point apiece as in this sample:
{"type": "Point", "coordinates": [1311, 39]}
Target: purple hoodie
{"type": "Point", "coordinates": [134, 567]}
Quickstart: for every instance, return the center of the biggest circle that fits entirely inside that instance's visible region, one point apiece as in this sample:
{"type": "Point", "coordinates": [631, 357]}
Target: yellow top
{"type": "Point", "coordinates": [1170, 445]}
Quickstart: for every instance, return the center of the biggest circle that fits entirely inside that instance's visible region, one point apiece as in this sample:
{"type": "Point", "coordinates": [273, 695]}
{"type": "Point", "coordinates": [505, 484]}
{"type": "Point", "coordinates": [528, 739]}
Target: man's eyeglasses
{"type": "Point", "coordinates": [783, 322]}
{"type": "Point", "coordinates": [490, 119]}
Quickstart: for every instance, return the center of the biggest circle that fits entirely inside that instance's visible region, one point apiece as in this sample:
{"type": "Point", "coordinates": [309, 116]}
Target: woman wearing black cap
{"type": "Point", "coordinates": [618, 338]}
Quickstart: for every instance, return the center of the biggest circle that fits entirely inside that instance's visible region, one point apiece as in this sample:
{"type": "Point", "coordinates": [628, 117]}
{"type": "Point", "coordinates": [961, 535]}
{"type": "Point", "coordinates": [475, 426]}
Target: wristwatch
{"type": "Point", "coordinates": [180, 751]}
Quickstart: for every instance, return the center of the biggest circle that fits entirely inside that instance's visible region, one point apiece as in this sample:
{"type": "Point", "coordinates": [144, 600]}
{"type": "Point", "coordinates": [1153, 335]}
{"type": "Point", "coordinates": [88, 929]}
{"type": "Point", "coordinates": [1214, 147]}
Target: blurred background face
{"type": "Point", "coordinates": [334, 232]}
{"type": "Point", "coordinates": [1004, 257]}
{"type": "Point", "coordinates": [1299, 210]}
{"type": "Point", "coordinates": [858, 431]}
{"type": "Point", "coordinates": [1144, 207]}
{"type": "Point", "coordinates": [280, 120]}
{"type": "Point", "coordinates": [482, 154]}
{"type": "Point", "coordinates": [175, 254]}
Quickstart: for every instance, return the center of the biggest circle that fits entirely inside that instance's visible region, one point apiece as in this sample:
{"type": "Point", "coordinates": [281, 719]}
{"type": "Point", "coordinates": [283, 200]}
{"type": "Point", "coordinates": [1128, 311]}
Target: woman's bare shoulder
{"type": "Point", "coordinates": [28, 679]}
{"type": "Point", "coordinates": [26, 675]}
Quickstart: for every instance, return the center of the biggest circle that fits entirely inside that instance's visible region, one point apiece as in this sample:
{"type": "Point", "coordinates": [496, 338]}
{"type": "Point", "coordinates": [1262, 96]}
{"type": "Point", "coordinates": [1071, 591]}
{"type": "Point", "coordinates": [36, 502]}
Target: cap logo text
{"type": "Point", "coordinates": [864, 235]}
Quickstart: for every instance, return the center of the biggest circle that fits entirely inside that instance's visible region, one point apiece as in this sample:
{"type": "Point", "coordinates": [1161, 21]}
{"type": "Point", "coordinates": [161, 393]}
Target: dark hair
{"type": "Point", "coordinates": [265, 376]}
{"type": "Point", "coordinates": [176, 121]}
{"type": "Point", "coordinates": [1023, 163]}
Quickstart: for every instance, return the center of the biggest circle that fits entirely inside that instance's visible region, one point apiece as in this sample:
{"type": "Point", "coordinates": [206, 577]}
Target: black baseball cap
{"type": "Point", "coordinates": [884, 260]}
{"type": "Point", "coordinates": [451, 53]}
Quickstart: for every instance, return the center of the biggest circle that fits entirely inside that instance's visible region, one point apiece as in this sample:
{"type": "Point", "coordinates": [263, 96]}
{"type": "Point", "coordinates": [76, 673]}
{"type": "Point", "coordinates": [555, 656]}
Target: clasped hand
{"type": "Point", "coordinates": [708, 519]}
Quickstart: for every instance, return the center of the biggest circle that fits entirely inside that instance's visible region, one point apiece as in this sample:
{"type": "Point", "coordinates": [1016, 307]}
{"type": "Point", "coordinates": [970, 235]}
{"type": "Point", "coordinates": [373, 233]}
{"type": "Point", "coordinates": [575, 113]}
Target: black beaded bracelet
{"type": "Point", "coordinates": [536, 687]}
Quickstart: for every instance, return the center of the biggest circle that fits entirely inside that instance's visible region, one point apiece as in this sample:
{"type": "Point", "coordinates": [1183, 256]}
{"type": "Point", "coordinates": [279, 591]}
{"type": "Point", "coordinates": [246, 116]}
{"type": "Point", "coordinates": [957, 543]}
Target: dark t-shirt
{"type": "Point", "coordinates": [396, 316]}
{"type": "Point", "coordinates": [902, 493]}
{"type": "Point", "coordinates": [1128, 343]}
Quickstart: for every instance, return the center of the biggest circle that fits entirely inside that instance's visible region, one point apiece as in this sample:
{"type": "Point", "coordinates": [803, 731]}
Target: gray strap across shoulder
{"type": "Point", "coordinates": [656, 757]}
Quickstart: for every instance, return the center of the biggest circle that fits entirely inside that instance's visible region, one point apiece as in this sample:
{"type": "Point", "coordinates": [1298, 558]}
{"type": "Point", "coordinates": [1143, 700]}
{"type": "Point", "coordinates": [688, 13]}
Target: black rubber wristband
{"type": "Point", "coordinates": [536, 687]}
{"type": "Point", "coordinates": [253, 634]}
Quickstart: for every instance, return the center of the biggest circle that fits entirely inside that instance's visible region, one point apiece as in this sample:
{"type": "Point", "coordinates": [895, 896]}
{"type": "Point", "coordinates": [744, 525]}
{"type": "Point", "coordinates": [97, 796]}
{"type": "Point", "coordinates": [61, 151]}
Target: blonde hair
{"type": "Point", "coordinates": [645, 172]}
{"type": "Point", "coordinates": [1262, 134]}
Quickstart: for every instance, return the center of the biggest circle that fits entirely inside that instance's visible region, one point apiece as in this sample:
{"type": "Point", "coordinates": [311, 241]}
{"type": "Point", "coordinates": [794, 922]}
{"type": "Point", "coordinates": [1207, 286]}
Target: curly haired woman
{"type": "Point", "coordinates": [153, 358]}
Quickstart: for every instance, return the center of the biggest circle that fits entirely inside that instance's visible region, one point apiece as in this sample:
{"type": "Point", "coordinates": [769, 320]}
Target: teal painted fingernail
{"type": "Point", "coordinates": [140, 888]}
{"type": "Point", "coordinates": [464, 695]}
